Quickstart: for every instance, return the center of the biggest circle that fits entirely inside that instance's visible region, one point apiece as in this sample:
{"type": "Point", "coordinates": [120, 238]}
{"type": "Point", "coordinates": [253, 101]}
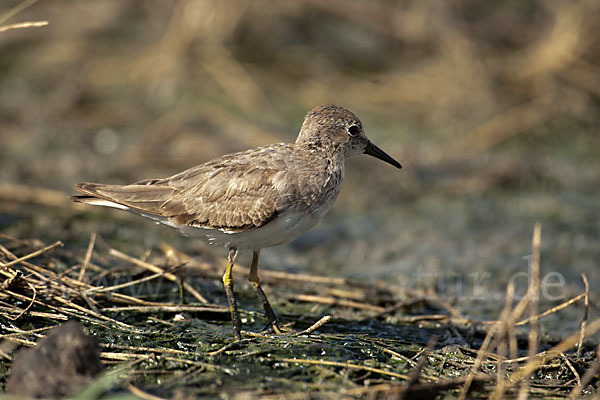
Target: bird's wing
{"type": "Point", "coordinates": [233, 193]}
{"type": "Point", "coordinates": [144, 199]}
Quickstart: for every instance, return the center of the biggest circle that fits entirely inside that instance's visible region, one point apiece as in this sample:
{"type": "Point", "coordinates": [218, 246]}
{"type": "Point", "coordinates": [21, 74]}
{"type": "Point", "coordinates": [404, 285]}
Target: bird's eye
{"type": "Point", "coordinates": [353, 130]}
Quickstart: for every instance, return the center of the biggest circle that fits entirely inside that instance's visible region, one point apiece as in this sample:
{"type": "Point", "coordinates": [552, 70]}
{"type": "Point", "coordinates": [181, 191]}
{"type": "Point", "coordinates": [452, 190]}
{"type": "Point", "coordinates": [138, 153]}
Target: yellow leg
{"type": "Point", "coordinates": [255, 282]}
{"type": "Point", "coordinates": [228, 285]}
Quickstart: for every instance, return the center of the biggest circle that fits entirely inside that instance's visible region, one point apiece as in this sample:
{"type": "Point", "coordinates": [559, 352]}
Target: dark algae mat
{"type": "Point", "coordinates": [156, 338]}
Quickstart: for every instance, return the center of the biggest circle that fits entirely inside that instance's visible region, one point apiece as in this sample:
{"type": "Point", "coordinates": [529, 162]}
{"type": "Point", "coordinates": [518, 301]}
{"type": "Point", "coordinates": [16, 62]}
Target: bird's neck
{"type": "Point", "coordinates": [320, 146]}
{"type": "Point", "coordinates": [331, 157]}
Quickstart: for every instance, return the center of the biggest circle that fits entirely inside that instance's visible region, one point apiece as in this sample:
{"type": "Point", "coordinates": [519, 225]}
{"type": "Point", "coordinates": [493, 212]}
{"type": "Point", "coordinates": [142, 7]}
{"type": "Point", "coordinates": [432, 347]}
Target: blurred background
{"type": "Point", "coordinates": [493, 109]}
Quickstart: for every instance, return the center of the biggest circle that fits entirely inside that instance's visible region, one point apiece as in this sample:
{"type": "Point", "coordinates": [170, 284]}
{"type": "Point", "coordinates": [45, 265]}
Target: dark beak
{"type": "Point", "coordinates": [376, 152]}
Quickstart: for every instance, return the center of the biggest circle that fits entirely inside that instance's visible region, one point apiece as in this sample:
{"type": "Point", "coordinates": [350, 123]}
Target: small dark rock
{"type": "Point", "coordinates": [60, 365]}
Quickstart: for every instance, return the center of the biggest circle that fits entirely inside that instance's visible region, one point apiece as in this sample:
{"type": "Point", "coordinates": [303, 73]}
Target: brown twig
{"type": "Point", "coordinates": [267, 275]}
{"type": "Point", "coordinates": [32, 255]}
{"type": "Point", "coordinates": [585, 314]}
{"type": "Point", "coordinates": [417, 370]}
{"type": "Point", "coordinates": [587, 377]}
{"type": "Point", "coordinates": [554, 352]}
{"type": "Point", "coordinates": [534, 288]}
{"type": "Point", "coordinates": [229, 346]}
{"type": "Point", "coordinates": [346, 365]}
{"type": "Point", "coordinates": [88, 256]}
{"type": "Point", "coordinates": [336, 302]}
{"type": "Point", "coordinates": [168, 308]}
{"type": "Point", "coordinates": [157, 269]}
{"type": "Point", "coordinates": [552, 310]}
{"type": "Point", "coordinates": [499, 328]}
{"type": "Point", "coordinates": [504, 342]}
{"type": "Point", "coordinates": [417, 391]}
{"type": "Point", "coordinates": [573, 370]}
{"type": "Point", "coordinates": [314, 326]}
{"type": "Point", "coordinates": [30, 303]}
{"type": "Point", "coordinates": [124, 284]}
{"type": "Point", "coordinates": [92, 313]}
{"type": "Point", "coordinates": [22, 25]}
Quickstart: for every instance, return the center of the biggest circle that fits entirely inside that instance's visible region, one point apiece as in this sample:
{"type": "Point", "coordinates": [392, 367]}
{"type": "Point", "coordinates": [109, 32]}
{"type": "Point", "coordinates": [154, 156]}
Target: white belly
{"type": "Point", "coordinates": [285, 228]}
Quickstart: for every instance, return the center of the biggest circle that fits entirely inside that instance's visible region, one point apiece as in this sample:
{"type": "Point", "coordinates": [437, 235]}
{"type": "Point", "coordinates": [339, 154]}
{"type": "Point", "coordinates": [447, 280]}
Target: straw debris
{"type": "Point", "coordinates": [162, 346]}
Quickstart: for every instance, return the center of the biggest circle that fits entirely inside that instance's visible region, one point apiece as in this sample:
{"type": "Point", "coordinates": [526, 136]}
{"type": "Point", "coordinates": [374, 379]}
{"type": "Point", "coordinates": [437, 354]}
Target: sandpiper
{"type": "Point", "coordinates": [252, 199]}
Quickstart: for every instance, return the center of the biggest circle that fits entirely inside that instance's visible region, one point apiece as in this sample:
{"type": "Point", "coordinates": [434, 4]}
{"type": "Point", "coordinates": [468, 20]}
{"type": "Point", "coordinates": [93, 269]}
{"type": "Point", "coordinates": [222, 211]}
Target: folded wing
{"type": "Point", "coordinates": [232, 193]}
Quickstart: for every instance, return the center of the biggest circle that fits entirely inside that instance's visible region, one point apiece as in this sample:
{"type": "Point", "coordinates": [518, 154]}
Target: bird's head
{"type": "Point", "coordinates": [333, 128]}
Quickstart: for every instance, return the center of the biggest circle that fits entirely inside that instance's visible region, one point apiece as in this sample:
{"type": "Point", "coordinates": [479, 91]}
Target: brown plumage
{"type": "Point", "coordinates": [251, 199]}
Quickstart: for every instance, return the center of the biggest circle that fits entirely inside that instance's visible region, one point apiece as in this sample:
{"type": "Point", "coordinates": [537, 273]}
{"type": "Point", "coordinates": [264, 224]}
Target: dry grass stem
{"type": "Point", "coordinates": [314, 326]}
{"type": "Point", "coordinates": [22, 25]}
{"type": "Point", "coordinates": [157, 269]}
{"type": "Point", "coordinates": [418, 369]}
{"type": "Point", "coordinates": [587, 377]}
{"type": "Point", "coordinates": [229, 346]}
{"type": "Point", "coordinates": [68, 294]}
{"type": "Point", "coordinates": [336, 302]}
{"type": "Point", "coordinates": [504, 343]}
{"type": "Point", "coordinates": [346, 365]}
{"type": "Point", "coordinates": [552, 310]}
{"type": "Point", "coordinates": [269, 276]}
{"type": "Point", "coordinates": [554, 352]}
{"type": "Point", "coordinates": [168, 308]}
{"type": "Point", "coordinates": [88, 256]}
{"type": "Point", "coordinates": [572, 368]}
{"type": "Point", "coordinates": [533, 294]}
{"type": "Point", "coordinates": [585, 314]}
{"type": "Point", "coordinates": [31, 255]}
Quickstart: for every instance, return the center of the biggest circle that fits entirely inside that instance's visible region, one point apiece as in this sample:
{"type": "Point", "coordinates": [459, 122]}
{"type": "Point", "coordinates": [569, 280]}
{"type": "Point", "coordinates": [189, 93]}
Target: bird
{"type": "Point", "coordinates": [253, 199]}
